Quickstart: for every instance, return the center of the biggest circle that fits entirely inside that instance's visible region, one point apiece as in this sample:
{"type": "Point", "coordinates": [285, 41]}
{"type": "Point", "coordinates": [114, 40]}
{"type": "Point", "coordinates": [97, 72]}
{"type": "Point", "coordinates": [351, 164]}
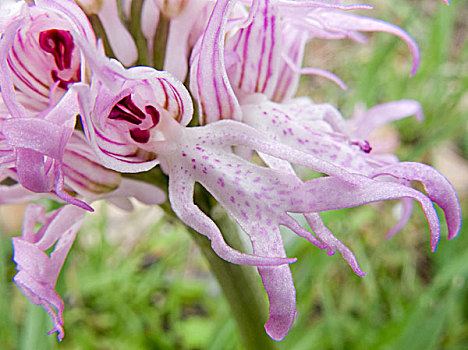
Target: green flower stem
{"type": "Point", "coordinates": [101, 33]}
{"type": "Point", "coordinates": [241, 284]}
{"type": "Point", "coordinates": [160, 40]}
{"type": "Point", "coordinates": [137, 34]}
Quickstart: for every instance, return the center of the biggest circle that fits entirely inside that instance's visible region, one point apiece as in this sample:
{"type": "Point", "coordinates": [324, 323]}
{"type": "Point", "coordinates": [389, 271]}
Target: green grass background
{"type": "Point", "coordinates": [137, 281]}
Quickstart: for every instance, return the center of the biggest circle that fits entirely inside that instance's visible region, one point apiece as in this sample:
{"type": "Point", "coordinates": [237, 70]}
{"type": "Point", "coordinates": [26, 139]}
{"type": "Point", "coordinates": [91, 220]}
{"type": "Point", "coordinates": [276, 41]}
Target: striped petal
{"type": "Point", "coordinates": [209, 81]}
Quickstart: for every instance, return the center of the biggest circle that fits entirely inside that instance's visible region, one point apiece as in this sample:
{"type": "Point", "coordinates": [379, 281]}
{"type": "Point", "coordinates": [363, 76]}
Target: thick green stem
{"type": "Point", "coordinates": [101, 34]}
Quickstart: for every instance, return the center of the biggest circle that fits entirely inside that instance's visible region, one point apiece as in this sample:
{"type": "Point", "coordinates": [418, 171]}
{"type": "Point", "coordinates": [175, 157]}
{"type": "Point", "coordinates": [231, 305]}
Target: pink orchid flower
{"type": "Point", "coordinates": [43, 31]}
{"type": "Point", "coordinates": [134, 119]}
{"type": "Point", "coordinates": [86, 178]}
{"type": "Point", "coordinates": [235, 78]}
{"type": "Point", "coordinates": [129, 112]}
{"type": "Point", "coordinates": [38, 270]}
{"type": "Point", "coordinates": [229, 62]}
{"type": "Point", "coordinates": [39, 103]}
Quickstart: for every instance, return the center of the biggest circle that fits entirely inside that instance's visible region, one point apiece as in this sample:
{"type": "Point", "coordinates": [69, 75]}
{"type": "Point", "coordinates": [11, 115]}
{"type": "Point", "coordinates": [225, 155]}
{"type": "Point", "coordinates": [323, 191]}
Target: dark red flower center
{"type": "Point", "coordinates": [126, 110]}
{"type": "Point", "coordinates": [60, 44]}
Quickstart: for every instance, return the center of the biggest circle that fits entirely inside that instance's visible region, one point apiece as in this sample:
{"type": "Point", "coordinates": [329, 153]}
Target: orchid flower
{"type": "Point", "coordinates": [236, 86]}
{"type": "Point", "coordinates": [235, 79]}
{"type": "Point", "coordinates": [136, 119]}
{"type": "Point", "coordinates": [42, 31]}
{"type": "Point", "coordinates": [85, 177]}
{"type": "Point", "coordinates": [229, 62]}
{"type": "Point", "coordinates": [37, 93]}
{"type": "Point", "coordinates": [243, 64]}
{"type": "Point", "coordinates": [37, 270]}
{"type": "Point", "coordinates": [322, 131]}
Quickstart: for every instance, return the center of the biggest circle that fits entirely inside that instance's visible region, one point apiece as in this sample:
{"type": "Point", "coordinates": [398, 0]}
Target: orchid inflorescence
{"type": "Point", "coordinates": [74, 122]}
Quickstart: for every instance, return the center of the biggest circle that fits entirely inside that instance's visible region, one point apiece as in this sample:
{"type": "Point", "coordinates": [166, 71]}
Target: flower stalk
{"type": "Point", "coordinates": [137, 34]}
{"type": "Point", "coordinates": [160, 41]}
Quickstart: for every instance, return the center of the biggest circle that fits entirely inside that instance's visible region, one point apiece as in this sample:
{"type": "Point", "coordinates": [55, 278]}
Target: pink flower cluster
{"type": "Point", "coordinates": [73, 120]}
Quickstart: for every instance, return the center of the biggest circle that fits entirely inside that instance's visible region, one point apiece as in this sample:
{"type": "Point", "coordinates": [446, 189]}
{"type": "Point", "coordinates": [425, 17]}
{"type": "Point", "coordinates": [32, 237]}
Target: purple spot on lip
{"type": "Point", "coordinates": [364, 146]}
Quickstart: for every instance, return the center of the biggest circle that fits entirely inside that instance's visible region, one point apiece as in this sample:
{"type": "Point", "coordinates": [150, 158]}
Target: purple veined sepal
{"type": "Point", "coordinates": [209, 82]}
{"type": "Point", "coordinates": [122, 124]}
{"type": "Point", "coordinates": [37, 270]}
{"type": "Point", "coordinates": [229, 65]}
{"type": "Point", "coordinates": [43, 31]}
{"type": "Point", "coordinates": [88, 178]}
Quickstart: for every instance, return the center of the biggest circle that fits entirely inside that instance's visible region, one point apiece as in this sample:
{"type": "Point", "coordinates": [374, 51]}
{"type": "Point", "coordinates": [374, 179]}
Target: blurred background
{"type": "Point", "coordinates": [136, 281]}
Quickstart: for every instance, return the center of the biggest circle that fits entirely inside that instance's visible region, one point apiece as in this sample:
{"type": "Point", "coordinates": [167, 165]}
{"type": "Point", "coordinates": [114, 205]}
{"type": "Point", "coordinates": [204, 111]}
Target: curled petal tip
{"type": "Point", "coordinates": [446, 2]}
{"type": "Point", "coordinates": [416, 59]}
{"type": "Point", "coordinates": [60, 333]}
{"type": "Point", "coordinates": [277, 336]}
{"type": "Point", "coordinates": [357, 270]}
{"type": "Point", "coordinates": [278, 330]}
{"type": "Point", "coordinates": [434, 244]}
